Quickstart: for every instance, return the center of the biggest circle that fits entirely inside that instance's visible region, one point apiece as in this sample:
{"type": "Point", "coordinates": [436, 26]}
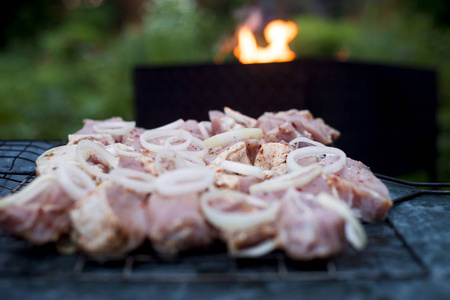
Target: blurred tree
{"type": "Point", "coordinates": [131, 12]}
{"type": "Point", "coordinates": [24, 19]}
{"type": "Point", "coordinates": [439, 10]}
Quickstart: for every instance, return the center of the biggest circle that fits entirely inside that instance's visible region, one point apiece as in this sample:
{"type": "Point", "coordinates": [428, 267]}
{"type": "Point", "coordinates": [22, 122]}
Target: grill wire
{"type": "Point", "coordinates": [388, 255]}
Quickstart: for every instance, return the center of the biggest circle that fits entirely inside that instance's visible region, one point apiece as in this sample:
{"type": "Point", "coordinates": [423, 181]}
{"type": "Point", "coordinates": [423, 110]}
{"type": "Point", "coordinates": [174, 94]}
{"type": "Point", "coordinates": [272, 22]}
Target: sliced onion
{"type": "Point", "coordinates": [183, 181]}
{"type": "Point", "coordinates": [171, 157]}
{"type": "Point", "coordinates": [171, 136]}
{"type": "Point", "coordinates": [239, 146]}
{"type": "Point", "coordinates": [258, 250]}
{"type": "Point", "coordinates": [202, 126]}
{"type": "Point", "coordinates": [174, 125]}
{"type": "Point", "coordinates": [75, 182]}
{"type": "Point", "coordinates": [293, 179]}
{"type": "Point", "coordinates": [228, 137]}
{"type": "Point", "coordinates": [124, 150]}
{"type": "Point", "coordinates": [354, 231]}
{"type": "Point", "coordinates": [85, 148]}
{"type": "Point", "coordinates": [30, 191]}
{"type": "Point", "coordinates": [112, 150]}
{"type": "Point", "coordinates": [292, 158]}
{"type": "Point", "coordinates": [197, 143]}
{"type": "Point", "coordinates": [296, 141]}
{"type": "Point", "coordinates": [240, 118]}
{"type": "Point", "coordinates": [103, 138]}
{"type": "Point", "coordinates": [114, 128]}
{"type": "Point", "coordinates": [138, 181]}
{"type": "Point", "coordinates": [237, 220]}
{"type": "Point", "coordinates": [242, 169]}
{"type": "Point", "coordinates": [57, 155]}
{"type": "Point", "coordinates": [191, 160]}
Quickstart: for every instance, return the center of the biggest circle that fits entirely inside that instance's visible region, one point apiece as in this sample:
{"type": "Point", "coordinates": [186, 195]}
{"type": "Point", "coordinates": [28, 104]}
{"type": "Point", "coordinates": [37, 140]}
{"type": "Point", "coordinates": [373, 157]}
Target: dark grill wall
{"type": "Point", "coordinates": [386, 114]}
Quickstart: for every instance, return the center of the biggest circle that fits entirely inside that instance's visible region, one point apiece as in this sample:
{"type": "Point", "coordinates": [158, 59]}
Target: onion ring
{"type": "Point", "coordinates": [169, 155]}
{"type": "Point", "coordinates": [124, 150]}
{"type": "Point", "coordinates": [58, 155]}
{"type": "Point", "coordinates": [183, 181]}
{"type": "Point", "coordinates": [203, 130]}
{"type": "Point", "coordinates": [173, 133]}
{"type": "Point", "coordinates": [302, 139]}
{"type": "Point", "coordinates": [85, 148]}
{"type": "Point", "coordinates": [240, 118]}
{"type": "Point", "coordinates": [102, 138]}
{"type": "Point", "coordinates": [228, 137]}
{"type": "Point", "coordinates": [198, 143]}
{"type": "Point", "coordinates": [191, 160]}
{"type": "Point", "coordinates": [292, 179]}
{"type": "Point", "coordinates": [30, 191]}
{"type": "Point", "coordinates": [292, 158]}
{"type": "Point", "coordinates": [138, 181]}
{"type": "Point", "coordinates": [242, 169]}
{"type": "Point", "coordinates": [354, 231]}
{"type": "Point", "coordinates": [114, 128]}
{"type": "Point", "coordinates": [258, 250]}
{"type": "Point", "coordinates": [74, 181]}
{"type": "Point", "coordinates": [173, 125]}
{"type": "Point", "coordinates": [237, 220]}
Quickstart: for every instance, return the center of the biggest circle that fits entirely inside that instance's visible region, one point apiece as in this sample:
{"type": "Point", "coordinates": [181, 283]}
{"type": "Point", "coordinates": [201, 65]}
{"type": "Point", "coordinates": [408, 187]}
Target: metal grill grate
{"type": "Point", "coordinates": [387, 256]}
{"type": "Point", "coordinates": [17, 162]}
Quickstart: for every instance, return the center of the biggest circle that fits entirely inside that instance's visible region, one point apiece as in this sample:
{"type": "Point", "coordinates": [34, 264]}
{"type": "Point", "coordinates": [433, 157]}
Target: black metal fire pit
{"type": "Point", "coordinates": [406, 258]}
{"type": "Point", "coordinates": [386, 113]}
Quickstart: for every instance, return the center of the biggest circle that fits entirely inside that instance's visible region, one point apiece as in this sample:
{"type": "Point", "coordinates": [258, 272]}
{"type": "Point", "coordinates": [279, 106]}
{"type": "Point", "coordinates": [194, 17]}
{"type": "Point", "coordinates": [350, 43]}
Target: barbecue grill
{"type": "Point", "coordinates": [406, 256]}
{"type": "Point", "coordinates": [382, 111]}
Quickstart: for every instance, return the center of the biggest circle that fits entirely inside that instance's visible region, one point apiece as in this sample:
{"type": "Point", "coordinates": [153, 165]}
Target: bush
{"type": "Point", "coordinates": [77, 71]}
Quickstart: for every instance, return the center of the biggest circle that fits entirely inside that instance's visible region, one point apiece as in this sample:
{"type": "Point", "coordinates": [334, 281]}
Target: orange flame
{"type": "Point", "coordinates": [278, 34]}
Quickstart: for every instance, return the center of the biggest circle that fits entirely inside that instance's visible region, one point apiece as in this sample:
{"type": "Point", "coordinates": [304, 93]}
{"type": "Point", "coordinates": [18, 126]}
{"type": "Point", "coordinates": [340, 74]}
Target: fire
{"type": "Point", "coordinates": [278, 34]}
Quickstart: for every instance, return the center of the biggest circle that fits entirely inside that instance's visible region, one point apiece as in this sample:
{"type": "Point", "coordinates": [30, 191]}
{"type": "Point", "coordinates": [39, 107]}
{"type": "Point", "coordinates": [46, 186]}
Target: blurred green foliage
{"type": "Point", "coordinates": [76, 71]}
{"type": "Point", "coordinates": [82, 68]}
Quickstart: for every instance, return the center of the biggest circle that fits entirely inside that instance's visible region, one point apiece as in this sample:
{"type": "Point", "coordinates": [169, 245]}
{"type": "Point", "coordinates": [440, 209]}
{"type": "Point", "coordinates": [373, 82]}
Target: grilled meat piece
{"type": "Point", "coordinates": [177, 224]}
{"type": "Point", "coordinates": [191, 126]}
{"type": "Point", "coordinates": [250, 237]}
{"type": "Point", "coordinates": [307, 231]}
{"type": "Point", "coordinates": [362, 190]}
{"type": "Point", "coordinates": [88, 133]}
{"type": "Point", "coordinates": [132, 139]}
{"type": "Point", "coordinates": [240, 118]}
{"type": "Point", "coordinates": [39, 213]}
{"type": "Point", "coordinates": [272, 159]}
{"type": "Point", "coordinates": [294, 123]}
{"type": "Point", "coordinates": [284, 132]}
{"type": "Point", "coordinates": [221, 123]}
{"type": "Point", "coordinates": [236, 152]}
{"type": "Point", "coordinates": [51, 159]}
{"type": "Point", "coordinates": [355, 184]}
{"type": "Point", "coordinates": [110, 221]}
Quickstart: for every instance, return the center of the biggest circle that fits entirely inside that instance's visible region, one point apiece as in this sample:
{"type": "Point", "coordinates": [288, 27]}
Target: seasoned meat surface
{"type": "Point", "coordinates": [177, 224]}
{"type": "Point", "coordinates": [110, 221]}
{"type": "Point", "coordinates": [254, 184]}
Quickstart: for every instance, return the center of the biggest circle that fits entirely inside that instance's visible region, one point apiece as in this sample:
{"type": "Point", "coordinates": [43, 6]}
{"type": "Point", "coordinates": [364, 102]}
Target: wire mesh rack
{"type": "Point", "coordinates": [388, 255]}
{"type": "Point", "coordinates": [17, 162]}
